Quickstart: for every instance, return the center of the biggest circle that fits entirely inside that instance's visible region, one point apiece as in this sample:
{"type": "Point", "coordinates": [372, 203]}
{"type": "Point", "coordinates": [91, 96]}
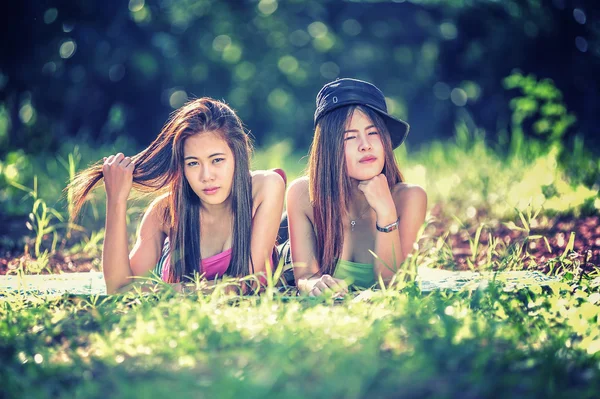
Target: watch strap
{"type": "Point", "coordinates": [390, 227]}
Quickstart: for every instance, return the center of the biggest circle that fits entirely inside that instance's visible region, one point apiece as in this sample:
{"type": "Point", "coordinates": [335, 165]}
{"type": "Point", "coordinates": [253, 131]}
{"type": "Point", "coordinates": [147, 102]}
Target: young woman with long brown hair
{"type": "Point", "coordinates": [354, 199]}
{"type": "Point", "coordinates": [216, 216]}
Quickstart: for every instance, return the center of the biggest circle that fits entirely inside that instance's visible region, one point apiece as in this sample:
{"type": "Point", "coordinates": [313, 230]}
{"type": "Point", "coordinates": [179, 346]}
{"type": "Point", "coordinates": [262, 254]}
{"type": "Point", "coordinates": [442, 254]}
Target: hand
{"type": "Point", "coordinates": [118, 177]}
{"type": "Point", "coordinates": [328, 284]}
{"type": "Point", "coordinates": [378, 195]}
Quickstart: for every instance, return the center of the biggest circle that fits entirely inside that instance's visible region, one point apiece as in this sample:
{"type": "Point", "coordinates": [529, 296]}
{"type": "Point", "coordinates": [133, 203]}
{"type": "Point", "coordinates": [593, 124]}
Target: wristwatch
{"type": "Point", "coordinates": [390, 227]}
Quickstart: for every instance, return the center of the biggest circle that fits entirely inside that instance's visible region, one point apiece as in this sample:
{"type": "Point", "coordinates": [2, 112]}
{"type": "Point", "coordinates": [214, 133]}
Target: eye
{"type": "Point", "coordinates": [192, 163]}
{"type": "Point", "coordinates": [218, 160]}
{"type": "Point", "coordinates": [373, 132]}
{"type": "Point", "coordinates": [349, 137]}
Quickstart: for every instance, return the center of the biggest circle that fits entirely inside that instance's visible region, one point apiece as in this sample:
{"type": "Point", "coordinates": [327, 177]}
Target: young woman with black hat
{"type": "Point", "coordinates": [216, 216]}
{"type": "Point", "coordinates": [354, 199]}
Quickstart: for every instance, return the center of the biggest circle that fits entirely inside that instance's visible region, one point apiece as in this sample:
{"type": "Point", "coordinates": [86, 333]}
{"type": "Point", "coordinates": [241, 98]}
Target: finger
{"type": "Point", "coordinates": [109, 159]}
{"type": "Point", "coordinates": [321, 286]}
{"type": "Point", "coordinates": [316, 291]}
{"type": "Point", "coordinates": [333, 283]}
{"type": "Point", "coordinates": [125, 161]}
{"type": "Point", "coordinates": [131, 166]}
{"type": "Point", "coordinates": [118, 158]}
{"type": "Point", "coordinates": [343, 285]}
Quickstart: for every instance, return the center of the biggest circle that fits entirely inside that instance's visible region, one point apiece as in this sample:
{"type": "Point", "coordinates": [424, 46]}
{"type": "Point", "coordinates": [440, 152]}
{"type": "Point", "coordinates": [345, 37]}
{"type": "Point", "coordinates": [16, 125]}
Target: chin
{"type": "Point", "coordinates": [212, 200]}
{"type": "Point", "coordinates": [366, 173]}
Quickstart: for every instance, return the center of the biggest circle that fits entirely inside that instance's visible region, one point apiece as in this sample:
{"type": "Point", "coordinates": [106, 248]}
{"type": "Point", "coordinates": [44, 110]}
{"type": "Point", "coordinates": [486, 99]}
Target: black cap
{"type": "Point", "coordinates": [346, 91]}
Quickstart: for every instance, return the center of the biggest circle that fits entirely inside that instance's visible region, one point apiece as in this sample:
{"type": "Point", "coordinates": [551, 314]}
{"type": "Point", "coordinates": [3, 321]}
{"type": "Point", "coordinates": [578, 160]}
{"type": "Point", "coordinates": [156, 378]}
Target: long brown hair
{"type": "Point", "coordinates": [329, 183]}
{"type": "Point", "coordinates": [159, 168]}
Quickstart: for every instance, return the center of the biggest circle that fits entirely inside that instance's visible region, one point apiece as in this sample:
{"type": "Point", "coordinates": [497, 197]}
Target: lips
{"type": "Point", "coordinates": [368, 159]}
{"type": "Point", "coordinates": [210, 190]}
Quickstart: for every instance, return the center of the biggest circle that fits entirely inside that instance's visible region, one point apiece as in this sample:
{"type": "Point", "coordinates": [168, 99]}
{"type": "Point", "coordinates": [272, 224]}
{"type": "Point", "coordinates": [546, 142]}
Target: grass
{"type": "Point", "coordinates": [492, 342]}
{"type": "Point", "coordinates": [484, 343]}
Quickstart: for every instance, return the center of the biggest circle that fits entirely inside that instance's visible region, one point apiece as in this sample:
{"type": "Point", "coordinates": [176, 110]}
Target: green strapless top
{"type": "Point", "coordinates": [357, 274]}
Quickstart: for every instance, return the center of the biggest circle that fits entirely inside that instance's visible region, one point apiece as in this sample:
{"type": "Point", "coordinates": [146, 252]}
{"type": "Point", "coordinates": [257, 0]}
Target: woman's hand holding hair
{"type": "Point", "coordinates": [118, 180]}
{"type": "Point", "coordinates": [378, 195]}
{"type": "Point", "coordinates": [118, 177]}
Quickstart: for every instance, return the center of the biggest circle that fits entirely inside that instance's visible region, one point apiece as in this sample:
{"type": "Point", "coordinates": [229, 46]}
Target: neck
{"type": "Point", "coordinates": [358, 203]}
{"type": "Point", "coordinates": [216, 211]}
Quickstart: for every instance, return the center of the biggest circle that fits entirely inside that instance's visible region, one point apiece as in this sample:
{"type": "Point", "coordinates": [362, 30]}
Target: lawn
{"type": "Point", "coordinates": [488, 211]}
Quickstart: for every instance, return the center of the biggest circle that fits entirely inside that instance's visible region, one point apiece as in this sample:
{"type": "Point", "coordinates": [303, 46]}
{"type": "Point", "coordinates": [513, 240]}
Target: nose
{"type": "Point", "coordinates": [364, 144]}
{"type": "Point", "coordinates": [206, 174]}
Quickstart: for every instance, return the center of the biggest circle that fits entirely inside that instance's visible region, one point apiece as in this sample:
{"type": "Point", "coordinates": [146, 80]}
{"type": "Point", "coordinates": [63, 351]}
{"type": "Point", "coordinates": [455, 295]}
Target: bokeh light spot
{"type": "Point", "coordinates": [458, 97]}
{"type": "Point", "coordinates": [324, 43]}
{"type": "Point", "coordinates": [67, 49]}
{"type": "Point", "coordinates": [232, 54]}
{"type": "Point", "coordinates": [199, 72]}
{"type": "Point", "coordinates": [448, 30]}
{"type": "Point", "coordinates": [441, 91]}
{"type": "Point", "coordinates": [136, 5]}
{"type": "Point", "coordinates": [351, 27]}
{"type": "Point", "coordinates": [27, 114]}
{"type": "Point", "coordinates": [581, 44]}
{"type": "Point", "coordinates": [221, 42]}
{"type": "Point", "coordinates": [579, 16]}
{"type": "Point", "coordinates": [317, 29]}
{"type": "Point", "coordinates": [278, 99]}
{"type": "Point", "coordinates": [116, 72]}
{"type": "Point", "coordinates": [267, 7]}
{"type": "Point", "coordinates": [178, 98]}
{"type": "Point", "coordinates": [287, 64]}
{"type": "Point", "coordinates": [50, 15]}
{"type": "Point", "coordinates": [49, 68]}
{"type": "Point", "coordinates": [299, 38]}
{"type": "Point", "coordinates": [329, 70]}
{"type": "Point", "coordinates": [244, 71]}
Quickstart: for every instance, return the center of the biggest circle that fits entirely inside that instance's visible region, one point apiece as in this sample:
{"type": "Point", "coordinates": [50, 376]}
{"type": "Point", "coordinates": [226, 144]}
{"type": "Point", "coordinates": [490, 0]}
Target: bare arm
{"type": "Point", "coordinates": [265, 224]}
{"type": "Point", "coordinates": [116, 265]}
{"type": "Point", "coordinates": [303, 244]}
{"type": "Point", "coordinates": [410, 204]}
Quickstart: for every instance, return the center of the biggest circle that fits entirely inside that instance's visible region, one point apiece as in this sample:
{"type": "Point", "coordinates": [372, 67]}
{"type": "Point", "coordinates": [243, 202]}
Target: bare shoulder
{"type": "Point", "coordinates": [266, 182]}
{"type": "Point", "coordinates": [298, 190]}
{"type": "Point", "coordinates": [157, 209]}
{"type": "Point", "coordinates": [298, 196]}
{"type": "Point", "coordinates": [409, 194]}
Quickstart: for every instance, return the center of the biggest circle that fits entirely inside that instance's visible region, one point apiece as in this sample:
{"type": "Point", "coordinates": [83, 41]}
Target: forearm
{"type": "Point", "coordinates": [388, 248]}
{"type": "Point", "coordinates": [115, 252]}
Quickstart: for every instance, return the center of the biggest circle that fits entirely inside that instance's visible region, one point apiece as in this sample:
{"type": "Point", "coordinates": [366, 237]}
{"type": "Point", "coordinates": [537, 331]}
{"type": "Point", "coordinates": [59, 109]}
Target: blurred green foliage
{"type": "Point", "coordinates": [84, 69]}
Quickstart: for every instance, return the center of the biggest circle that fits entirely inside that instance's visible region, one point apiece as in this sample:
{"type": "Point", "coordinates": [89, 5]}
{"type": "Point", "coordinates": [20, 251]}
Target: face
{"type": "Point", "coordinates": [363, 148]}
{"type": "Point", "coordinates": [209, 167]}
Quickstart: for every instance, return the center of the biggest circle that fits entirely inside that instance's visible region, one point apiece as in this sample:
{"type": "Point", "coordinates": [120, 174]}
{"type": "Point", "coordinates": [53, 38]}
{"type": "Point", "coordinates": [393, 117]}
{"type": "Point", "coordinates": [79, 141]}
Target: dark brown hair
{"type": "Point", "coordinates": [329, 183]}
{"type": "Point", "coordinates": [159, 168]}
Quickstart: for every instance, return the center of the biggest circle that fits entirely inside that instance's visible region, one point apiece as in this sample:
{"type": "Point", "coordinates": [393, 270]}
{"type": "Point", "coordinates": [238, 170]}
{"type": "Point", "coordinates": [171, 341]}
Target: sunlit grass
{"type": "Point", "coordinates": [398, 342]}
{"type": "Point", "coordinates": [526, 342]}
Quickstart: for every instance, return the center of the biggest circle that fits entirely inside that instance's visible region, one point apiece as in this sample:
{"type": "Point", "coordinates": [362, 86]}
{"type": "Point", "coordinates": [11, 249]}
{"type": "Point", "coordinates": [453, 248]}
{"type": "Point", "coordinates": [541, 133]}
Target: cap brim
{"type": "Point", "coordinates": [397, 128]}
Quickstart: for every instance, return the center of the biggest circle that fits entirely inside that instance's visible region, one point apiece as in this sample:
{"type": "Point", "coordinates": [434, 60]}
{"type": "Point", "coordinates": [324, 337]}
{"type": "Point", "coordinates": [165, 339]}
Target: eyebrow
{"type": "Point", "coordinates": [210, 156]}
{"type": "Point", "coordinates": [356, 130]}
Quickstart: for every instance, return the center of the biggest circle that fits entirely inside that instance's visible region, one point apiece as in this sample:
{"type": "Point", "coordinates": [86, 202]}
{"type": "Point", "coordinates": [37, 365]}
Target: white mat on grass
{"type": "Point", "coordinates": [54, 284]}
{"type": "Point", "coordinates": [429, 279]}
{"type": "Point", "coordinates": [432, 279]}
